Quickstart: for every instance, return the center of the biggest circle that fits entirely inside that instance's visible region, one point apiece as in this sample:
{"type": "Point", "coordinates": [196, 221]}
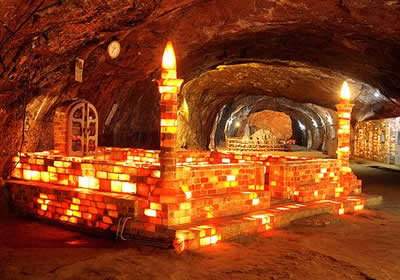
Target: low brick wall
{"type": "Point", "coordinates": [87, 173]}
{"type": "Point", "coordinates": [305, 180]}
{"type": "Point", "coordinates": [97, 191]}
{"type": "Point", "coordinates": [85, 208]}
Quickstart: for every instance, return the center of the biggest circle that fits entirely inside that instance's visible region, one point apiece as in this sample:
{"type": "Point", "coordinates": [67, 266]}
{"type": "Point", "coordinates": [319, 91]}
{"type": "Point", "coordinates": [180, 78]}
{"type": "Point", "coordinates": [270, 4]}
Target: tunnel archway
{"type": "Point", "coordinates": [310, 128]}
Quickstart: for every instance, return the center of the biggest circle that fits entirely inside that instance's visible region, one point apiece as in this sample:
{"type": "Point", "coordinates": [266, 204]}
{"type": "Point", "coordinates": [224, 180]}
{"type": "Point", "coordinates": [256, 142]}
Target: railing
{"type": "Point", "coordinates": [257, 145]}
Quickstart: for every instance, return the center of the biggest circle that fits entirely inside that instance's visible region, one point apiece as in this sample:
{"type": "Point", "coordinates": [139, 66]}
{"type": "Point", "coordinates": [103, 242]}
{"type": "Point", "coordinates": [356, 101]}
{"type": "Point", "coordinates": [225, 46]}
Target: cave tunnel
{"type": "Point", "coordinates": [257, 73]}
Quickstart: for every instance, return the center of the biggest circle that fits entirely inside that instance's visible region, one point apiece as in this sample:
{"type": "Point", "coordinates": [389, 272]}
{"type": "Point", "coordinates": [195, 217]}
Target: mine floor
{"type": "Point", "coordinates": [359, 246]}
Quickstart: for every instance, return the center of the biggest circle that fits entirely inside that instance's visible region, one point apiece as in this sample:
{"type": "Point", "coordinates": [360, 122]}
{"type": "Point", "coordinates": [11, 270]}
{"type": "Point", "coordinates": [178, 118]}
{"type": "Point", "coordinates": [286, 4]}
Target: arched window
{"type": "Point", "coordinates": [76, 128]}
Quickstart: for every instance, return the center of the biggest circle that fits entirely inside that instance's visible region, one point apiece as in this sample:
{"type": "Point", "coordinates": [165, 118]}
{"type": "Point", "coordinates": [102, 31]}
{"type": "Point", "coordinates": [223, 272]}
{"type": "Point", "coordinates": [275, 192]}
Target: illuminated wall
{"type": "Point", "coordinates": [378, 140]}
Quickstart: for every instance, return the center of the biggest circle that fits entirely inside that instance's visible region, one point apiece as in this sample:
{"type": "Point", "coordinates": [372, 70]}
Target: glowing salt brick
{"type": "Point", "coordinates": [68, 212]}
{"type": "Point", "coordinates": [107, 220]}
{"type": "Point", "coordinates": [87, 216]}
{"type": "Point", "coordinates": [230, 178]}
{"type": "Point", "coordinates": [60, 170]}
{"type": "Point", "coordinates": [74, 207]}
{"type": "Point", "coordinates": [58, 164]}
{"type": "Point", "coordinates": [43, 207]}
{"type": "Point", "coordinates": [113, 214]}
{"type": "Point", "coordinates": [226, 160]}
{"type": "Point", "coordinates": [341, 211]}
{"type": "Point", "coordinates": [185, 205]}
{"type": "Point", "coordinates": [273, 183]}
{"type": "Point", "coordinates": [234, 184]}
{"type": "Point", "coordinates": [253, 195]}
{"type": "Point", "coordinates": [128, 187]}
{"type": "Point", "coordinates": [205, 241]}
{"type": "Point", "coordinates": [73, 220]}
{"type": "Point", "coordinates": [169, 129]}
{"type": "Point", "coordinates": [53, 177]}
{"type": "Point", "coordinates": [156, 174]}
{"type": "Point", "coordinates": [315, 193]}
{"type": "Point", "coordinates": [169, 122]}
{"type": "Point", "coordinates": [344, 149]}
{"type": "Point", "coordinates": [83, 182]}
{"type": "Point", "coordinates": [100, 205]}
{"type": "Point", "coordinates": [88, 182]}
{"type": "Point", "coordinates": [188, 195]}
{"type": "Point", "coordinates": [255, 201]}
{"type": "Point", "coordinates": [110, 206]}
{"type": "Point", "coordinates": [358, 207]}
{"type": "Point", "coordinates": [116, 186]}
{"type": "Point", "coordinates": [101, 175]}
{"type": "Point", "coordinates": [93, 210]}
{"type": "Point", "coordinates": [346, 169]}
{"type": "Point", "coordinates": [76, 200]}
{"type": "Point", "coordinates": [155, 206]}
{"type": "Point", "coordinates": [64, 218]}
{"type": "Point", "coordinates": [52, 169]}
{"type": "Point", "coordinates": [77, 214]}
{"type": "Point", "coordinates": [124, 177]}
{"type": "Point", "coordinates": [43, 195]}
{"type": "Point", "coordinates": [113, 176]}
{"type": "Point", "coordinates": [150, 212]}
{"type": "Point", "coordinates": [213, 239]}
{"type": "Point", "coordinates": [296, 193]}
{"type": "Point", "coordinates": [27, 174]}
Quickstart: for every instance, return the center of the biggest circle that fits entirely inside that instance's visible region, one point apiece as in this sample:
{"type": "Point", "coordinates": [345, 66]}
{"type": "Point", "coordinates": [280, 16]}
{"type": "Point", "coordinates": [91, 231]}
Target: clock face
{"type": "Point", "coordinates": [114, 49]}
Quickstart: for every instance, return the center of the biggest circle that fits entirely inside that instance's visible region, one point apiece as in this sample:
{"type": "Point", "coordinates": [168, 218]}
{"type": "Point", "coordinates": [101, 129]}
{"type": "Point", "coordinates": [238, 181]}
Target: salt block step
{"type": "Point", "coordinates": [83, 208]}
{"type": "Point", "coordinates": [197, 235]}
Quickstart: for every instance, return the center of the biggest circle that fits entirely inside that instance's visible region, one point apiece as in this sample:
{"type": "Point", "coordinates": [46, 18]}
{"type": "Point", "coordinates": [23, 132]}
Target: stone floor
{"type": "Point", "coordinates": [359, 246]}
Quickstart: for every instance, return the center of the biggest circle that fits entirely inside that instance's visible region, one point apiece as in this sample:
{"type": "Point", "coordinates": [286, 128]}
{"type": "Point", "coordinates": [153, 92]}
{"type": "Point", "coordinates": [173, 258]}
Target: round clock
{"type": "Point", "coordinates": [114, 48]}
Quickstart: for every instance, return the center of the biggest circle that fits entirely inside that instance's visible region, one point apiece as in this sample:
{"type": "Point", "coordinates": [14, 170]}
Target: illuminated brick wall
{"type": "Point", "coordinates": [76, 190]}
{"type": "Point", "coordinates": [378, 140]}
{"type": "Point", "coordinates": [75, 172]}
{"type": "Point", "coordinates": [307, 180]}
{"type": "Point", "coordinates": [85, 208]}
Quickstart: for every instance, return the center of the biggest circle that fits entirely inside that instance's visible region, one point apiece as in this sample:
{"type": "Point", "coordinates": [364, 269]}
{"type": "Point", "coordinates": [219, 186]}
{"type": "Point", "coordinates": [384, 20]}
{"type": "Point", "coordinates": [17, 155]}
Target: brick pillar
{"type": "Point", "coordinates": [169, 87]}
{"type": "Point", "coordinates": [349, 184]}
{"type": "Point", "coordinates": [343, 150]}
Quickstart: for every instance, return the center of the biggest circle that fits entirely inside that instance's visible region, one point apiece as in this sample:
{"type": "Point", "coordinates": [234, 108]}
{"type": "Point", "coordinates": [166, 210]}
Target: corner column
{"type": "Point", "coordinates": [169, 87]}
{"type": "Point", "coordinates": [343, 150]}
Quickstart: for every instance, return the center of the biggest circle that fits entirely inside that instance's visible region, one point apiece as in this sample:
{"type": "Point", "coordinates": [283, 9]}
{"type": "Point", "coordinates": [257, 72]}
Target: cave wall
{"type": "Point", "coordinates": [319, 42]}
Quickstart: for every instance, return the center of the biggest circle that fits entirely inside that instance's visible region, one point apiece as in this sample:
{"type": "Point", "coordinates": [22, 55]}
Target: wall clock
{"type": "Point", "coordinates": [114, 48]}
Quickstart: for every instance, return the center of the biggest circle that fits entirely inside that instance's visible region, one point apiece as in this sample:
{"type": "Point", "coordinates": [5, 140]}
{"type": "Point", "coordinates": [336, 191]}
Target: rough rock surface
{"type": "Point", "coordinates": [308, 47]}
{"type": "Point", "coordinates": [278, 123]}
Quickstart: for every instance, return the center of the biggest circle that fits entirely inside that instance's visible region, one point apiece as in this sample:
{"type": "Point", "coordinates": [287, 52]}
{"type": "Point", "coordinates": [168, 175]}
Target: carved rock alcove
{"type": "Point", "coordinates": [76, 128]}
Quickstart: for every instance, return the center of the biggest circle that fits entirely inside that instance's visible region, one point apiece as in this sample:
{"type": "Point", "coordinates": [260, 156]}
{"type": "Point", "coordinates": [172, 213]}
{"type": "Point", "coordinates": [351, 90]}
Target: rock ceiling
{"type": "Point", "coordinates": [226, 49]}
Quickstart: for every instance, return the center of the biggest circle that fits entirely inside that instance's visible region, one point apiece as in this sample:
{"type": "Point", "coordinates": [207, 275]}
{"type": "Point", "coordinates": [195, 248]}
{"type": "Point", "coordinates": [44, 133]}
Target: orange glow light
{"type": "Point", "coordinates": [345, 92]}
{"type": "Point", "coordinates": [169, 60]}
